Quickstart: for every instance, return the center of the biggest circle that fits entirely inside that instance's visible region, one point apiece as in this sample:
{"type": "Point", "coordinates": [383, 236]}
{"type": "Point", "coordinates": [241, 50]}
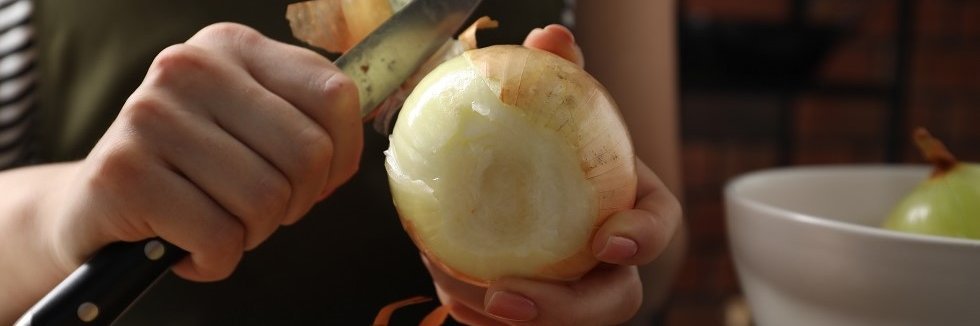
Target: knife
{"type": "Point", "coordinates": [106, 285]}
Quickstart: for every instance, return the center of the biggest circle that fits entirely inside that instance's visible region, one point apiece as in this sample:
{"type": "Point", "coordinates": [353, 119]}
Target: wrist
{"type": "Point", "coordinates": [68, 236]}
{"type": "Point", "coordinates": [29, 267]}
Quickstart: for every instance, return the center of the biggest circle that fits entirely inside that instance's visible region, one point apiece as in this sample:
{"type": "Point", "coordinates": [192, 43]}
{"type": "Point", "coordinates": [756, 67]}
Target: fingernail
{"type": "Point", "coordinates": [618, 248]}
{"type": "Point", "coordinates": [510, 306]}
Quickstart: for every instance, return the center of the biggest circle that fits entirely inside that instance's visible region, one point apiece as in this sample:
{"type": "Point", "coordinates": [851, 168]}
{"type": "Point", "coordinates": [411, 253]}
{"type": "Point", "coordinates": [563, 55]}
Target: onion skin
{"type": "Point", "coordinates": [336, 25]}
{"type": "Point", "coordinates": [555, 98]}
{"type": "Point", "coordinates": [363, 16]}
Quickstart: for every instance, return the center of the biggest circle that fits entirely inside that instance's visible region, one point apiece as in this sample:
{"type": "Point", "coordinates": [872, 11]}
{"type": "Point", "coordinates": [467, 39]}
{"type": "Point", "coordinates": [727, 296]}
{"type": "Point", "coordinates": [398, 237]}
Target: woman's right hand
{"type": "Point", "coordinates": [229, 136]}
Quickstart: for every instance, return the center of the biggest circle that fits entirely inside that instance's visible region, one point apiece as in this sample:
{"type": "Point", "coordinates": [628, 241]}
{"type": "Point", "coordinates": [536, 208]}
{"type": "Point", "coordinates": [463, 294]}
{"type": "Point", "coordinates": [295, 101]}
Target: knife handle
{"type": "Point", "coordinates": [106, 285]}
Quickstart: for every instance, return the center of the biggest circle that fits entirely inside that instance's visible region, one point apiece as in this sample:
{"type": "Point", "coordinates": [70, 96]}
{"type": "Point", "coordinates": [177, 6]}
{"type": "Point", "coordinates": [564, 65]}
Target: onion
{"type": "Point", "coordinates": [945, 204]}
{"type": "Point", "coordinates": [505, 160]}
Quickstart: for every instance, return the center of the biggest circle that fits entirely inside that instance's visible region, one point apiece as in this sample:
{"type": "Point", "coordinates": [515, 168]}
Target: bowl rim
{"type": "Point", "coordinates": [740, 181]}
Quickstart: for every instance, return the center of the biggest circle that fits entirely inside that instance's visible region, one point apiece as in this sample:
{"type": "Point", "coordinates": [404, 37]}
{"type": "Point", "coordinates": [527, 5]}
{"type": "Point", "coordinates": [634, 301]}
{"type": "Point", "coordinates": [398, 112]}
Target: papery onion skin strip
{"type": "Point", "coordinates": [468, 36]}
{"type": "Point", "coordinates": [364, 16]}
{"type": "Point", "coordinates": [320, 23]}
{"type": "Point", "coordinates": [336, 25]}
{"type": "Point", "coordinates": [935, 152]}
{"type": "Point", "coordinates": [436, 317]}
{"type": "Point", "coordinates": [384, 315]}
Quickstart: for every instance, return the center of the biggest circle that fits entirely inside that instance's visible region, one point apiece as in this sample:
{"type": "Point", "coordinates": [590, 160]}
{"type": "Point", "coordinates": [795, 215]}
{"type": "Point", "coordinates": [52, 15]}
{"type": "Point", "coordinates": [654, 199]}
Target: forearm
{"type": "Point", "coordinates": [630, 46]}
{"type": "Point", "coordinates": [27, 266]}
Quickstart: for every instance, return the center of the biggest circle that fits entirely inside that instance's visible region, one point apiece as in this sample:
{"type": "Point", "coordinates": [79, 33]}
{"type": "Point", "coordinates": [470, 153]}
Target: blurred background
{"type": "Point", "coordinates": [768, 83]}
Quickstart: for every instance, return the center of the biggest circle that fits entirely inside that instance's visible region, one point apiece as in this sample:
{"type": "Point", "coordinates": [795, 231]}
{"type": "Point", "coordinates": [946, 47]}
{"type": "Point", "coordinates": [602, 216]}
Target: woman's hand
{"type": "Point", "coordinates": [609, 294]}
{"type": "Point", "coordinates": [229, 136]}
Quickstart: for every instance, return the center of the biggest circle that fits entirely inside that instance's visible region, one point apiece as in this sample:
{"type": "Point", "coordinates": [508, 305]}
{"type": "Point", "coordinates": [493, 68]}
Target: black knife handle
{"type": "Point", "coordinates": [101, 289]}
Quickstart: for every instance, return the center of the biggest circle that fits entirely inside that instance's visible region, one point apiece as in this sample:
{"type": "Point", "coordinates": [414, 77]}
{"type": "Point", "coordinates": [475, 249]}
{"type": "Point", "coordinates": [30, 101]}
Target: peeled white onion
{"type": "Point", "coordinates": [505, 160]}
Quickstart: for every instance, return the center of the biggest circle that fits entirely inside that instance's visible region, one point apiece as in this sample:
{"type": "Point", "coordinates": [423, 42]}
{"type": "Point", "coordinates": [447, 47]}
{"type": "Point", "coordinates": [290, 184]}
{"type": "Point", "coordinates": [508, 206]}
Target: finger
{"type": "Point", "coordinates": [639, 235]}
{"type": "Point", "coordinates": [291, 142]}
{"type": "Point", "coordinates": [308, 81]}
{"type": "Point", "coordinates": [241, 182]}
{"type": "Point", "coordinates": [460, 293]}
{"type": "Point", "coordinates": [465, 301]}
{"type": "Point", "coordinates": [556, 39]}
{"type": "Point", "coordinates": [608, 295]}
{"type": "Point", "coordinates": [469, 316]}
{"type": "Point", "coordinates": [159, 202]}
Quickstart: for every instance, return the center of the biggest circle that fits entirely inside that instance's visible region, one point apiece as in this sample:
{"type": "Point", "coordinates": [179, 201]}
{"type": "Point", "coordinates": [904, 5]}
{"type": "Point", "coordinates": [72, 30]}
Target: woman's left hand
{"type": "Point", "coordinates": [609, 294]}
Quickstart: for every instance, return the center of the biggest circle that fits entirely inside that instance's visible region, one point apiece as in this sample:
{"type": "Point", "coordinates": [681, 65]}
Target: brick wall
{"type": "Point", "coordinates": [840, 115]}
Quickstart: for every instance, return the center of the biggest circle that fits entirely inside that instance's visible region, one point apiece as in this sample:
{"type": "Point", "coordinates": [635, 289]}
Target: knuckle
{"type": "Point", "coordinates": [145, 110]}
{"type": "Point", "coordinates": [268, 199]}
{"type": "Point", "coordinates": [229, 37]}
{"type": "Point", "coordinates": [340, 90]}
{"type": "Point", "coordinates": [316, 151]}
{"type": "Point", "coordinates": [338, 82]}
{"type": "Point", "coordinates": [230, 31]}
{"type": "Point", "coordinates": [175, 63]}
{"type": "Point", "coordinates": [115, 166]}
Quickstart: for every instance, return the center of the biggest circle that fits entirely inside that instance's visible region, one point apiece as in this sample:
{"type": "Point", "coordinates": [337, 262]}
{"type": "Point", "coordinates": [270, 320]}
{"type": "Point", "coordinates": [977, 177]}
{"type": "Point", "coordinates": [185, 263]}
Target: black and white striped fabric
{"type": "Point", "coordinates": [17, 80]}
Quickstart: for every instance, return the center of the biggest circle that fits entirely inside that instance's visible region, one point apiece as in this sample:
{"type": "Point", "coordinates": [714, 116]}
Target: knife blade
{"type": "Point", "coordinates": [106, 285]}
{"type": "Point", "coordinates": [381, 62]}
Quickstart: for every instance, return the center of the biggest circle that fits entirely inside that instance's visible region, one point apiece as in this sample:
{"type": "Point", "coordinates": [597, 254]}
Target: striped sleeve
{"type": "Point", "coordinates": [17, 80]}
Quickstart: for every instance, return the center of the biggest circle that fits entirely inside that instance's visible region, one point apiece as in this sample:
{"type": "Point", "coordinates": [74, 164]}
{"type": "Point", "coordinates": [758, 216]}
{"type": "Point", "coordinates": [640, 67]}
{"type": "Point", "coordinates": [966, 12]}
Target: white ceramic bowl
{"type": "Point", "coordinates": [808, 251]}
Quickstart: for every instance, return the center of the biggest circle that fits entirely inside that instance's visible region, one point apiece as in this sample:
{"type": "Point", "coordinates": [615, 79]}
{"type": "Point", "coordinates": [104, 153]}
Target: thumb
{"type": "Point", "coordinates": [556, 39]}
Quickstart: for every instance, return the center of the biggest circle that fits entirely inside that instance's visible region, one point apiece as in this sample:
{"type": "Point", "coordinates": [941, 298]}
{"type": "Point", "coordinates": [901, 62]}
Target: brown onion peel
{"type": "Point", "coordinates": [384, 315]}
{"type": "Point", "coordinates": [934, 151]}
{"type": "Point", "coordinates": [436, 317]}
{"type": "Point", "coordinates": [468, 36]}
{"type": "Point", "coordinates": [336, 25]}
